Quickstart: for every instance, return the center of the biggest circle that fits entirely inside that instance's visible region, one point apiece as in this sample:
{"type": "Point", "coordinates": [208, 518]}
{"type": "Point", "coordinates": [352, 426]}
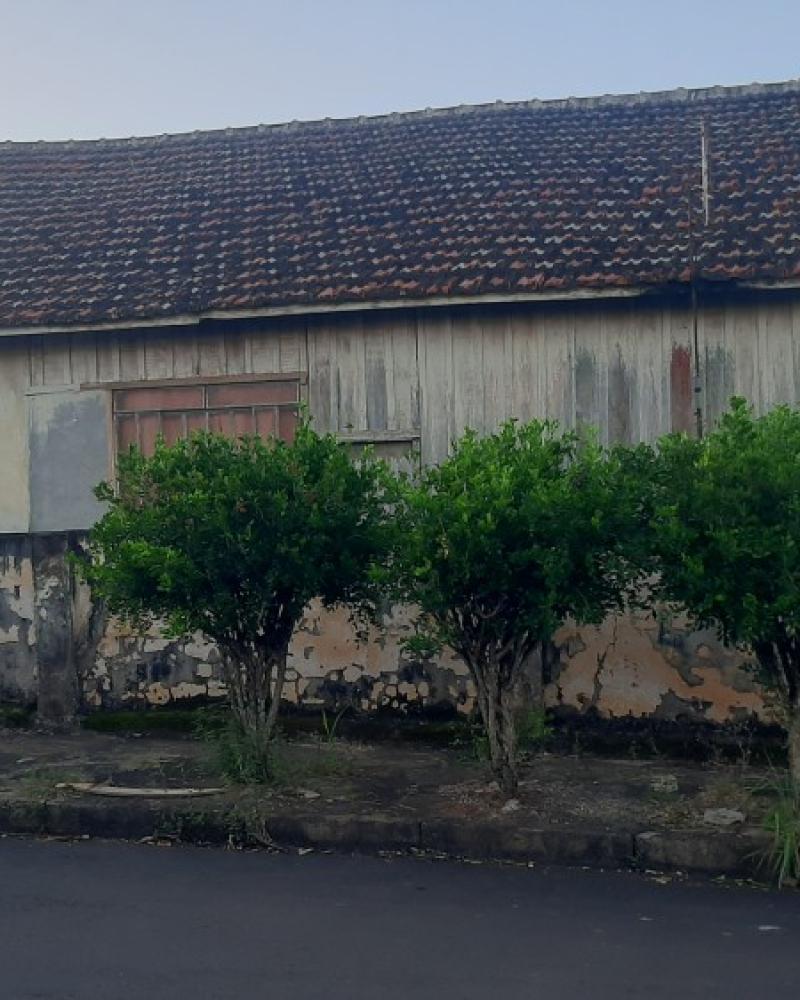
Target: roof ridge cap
{"type": "Point", "coordinates": [655, 97]}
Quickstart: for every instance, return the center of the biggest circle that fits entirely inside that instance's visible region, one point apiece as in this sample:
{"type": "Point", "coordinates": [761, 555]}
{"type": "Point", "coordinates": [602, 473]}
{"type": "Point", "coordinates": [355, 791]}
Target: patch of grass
{"type": "Point", "coordinates": [471, 742]}
{"type": "Point", "coordinates": [239, 760]}
{"type": "Point", "coordinates": [16, 716]}
{"type": "Point", "coordinates": [248, 826]}
{"type": "Point", "coordinates": [182, 720]}
{"type": "Point", "coordinates": [236, 754]}
{"type": "Point", "coordinates": [39, 784]}
{"type": "Point", "coordinates": [535, 730]}
{"type": "Point", "coordinates": [782, 822]}
{"type": "Point", "coordinates": [327, 760]}
{"type": "Point", "coordinates": [330, 724]}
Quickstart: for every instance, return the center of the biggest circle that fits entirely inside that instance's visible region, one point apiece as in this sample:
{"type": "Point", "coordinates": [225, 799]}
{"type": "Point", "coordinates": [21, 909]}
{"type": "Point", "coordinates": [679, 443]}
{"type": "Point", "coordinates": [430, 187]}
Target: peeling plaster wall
{"type": "Point", "coordinates": [18, 674]}
{"type": "Point", "coordinates": [57, 696]}
{"type": "Point", "coordinates": [625, 667]}
{"type": "Point", "coordinates": [642, 666]}
{"type": "Point", "coordinates": [327, 667]}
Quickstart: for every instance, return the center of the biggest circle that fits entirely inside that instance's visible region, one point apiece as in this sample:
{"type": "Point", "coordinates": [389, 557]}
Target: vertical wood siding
{"type": "Point", "coordinates": [363, 373]}
{"type": "Point", "coordinates": [14, 444]}
{"type": "Point", "coordinates": [621, 369]}
{"type": "Point", "coordinates": [176, 352]}
{"type": "Point", "coordinates": [626, 368]}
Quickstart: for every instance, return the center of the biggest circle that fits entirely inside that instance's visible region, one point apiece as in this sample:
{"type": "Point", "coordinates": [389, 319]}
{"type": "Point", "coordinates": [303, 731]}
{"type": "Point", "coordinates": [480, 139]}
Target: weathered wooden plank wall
{"type": "Point", "coordinates": [363, 373]}
{"type": "Point", "coordinates": [751, 349]}
{"type": "Point", "coordinates": [14, 451]}
{"type": "Point", "coordinates": [623, 369]}
{"type": "Point", "coordinates": [172, 353]}
{"type": "Point", "coordinates": [626, 367]}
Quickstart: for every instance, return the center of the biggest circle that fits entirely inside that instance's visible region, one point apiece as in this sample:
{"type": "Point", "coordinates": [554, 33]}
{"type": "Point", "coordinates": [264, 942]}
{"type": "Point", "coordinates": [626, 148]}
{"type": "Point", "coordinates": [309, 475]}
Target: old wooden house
{"type": "Point", "coordinates": [630, 262]}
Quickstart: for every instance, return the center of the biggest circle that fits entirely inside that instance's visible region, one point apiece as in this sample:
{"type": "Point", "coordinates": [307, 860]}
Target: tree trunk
{"type": "Point", "coordinates": [793, 745]}
{"type": "Point", "coordinates": [276, 693]}
{"type": "Point", "coordinates": [780, 662]}
{"type": "Point", "coordinates": [497, 704]}
{"type": "Point", "coordinates": [255, 683]}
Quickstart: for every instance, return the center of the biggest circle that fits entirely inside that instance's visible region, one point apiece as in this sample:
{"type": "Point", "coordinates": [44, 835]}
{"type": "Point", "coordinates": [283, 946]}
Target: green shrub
{"type": "Point", "coordinates": [725, 542]}
{"type": "Point", "coordinates": [232, 539]}
{"type": "Point", "coordinates": [500, 544]}
{"type": "Point", "coordinates": [535, 730]}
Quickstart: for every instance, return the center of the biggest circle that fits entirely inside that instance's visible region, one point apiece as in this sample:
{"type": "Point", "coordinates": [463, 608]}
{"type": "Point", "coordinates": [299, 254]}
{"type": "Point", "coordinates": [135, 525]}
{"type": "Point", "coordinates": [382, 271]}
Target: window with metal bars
{"type": "Point", "coordinates": [267, 407]}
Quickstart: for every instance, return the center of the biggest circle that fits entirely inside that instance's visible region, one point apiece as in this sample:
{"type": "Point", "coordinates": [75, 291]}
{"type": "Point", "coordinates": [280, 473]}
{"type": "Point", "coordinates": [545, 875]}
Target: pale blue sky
{"type": "Point", "coordinates": [88, 68]}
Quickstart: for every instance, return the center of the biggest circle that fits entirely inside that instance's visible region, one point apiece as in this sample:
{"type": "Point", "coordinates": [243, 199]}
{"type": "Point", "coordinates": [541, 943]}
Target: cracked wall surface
{"type": "Point", "coordinates": [636, 666]}
{"type": "Point", "coordinates": [328, 667]}
{"type": "Point", "coordinates": [18, 674]}
{"type": "Point", "coordinates": [633, 666]}
{"type": "Point", "coordinates": [640, 665]}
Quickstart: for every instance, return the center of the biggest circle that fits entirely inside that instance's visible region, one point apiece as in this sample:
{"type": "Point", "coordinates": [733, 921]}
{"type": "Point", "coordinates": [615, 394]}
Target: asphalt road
{"type": "Point", "coordinates": [115, 921]}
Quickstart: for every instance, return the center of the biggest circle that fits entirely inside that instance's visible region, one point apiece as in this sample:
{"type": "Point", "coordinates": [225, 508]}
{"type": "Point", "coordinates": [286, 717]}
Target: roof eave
{"type": "Point", "coordinates": [313, 309]}
{"type": "Point", "coordinates": [375, 305]}
{"type": "Point", "coordinates": [776, 285]}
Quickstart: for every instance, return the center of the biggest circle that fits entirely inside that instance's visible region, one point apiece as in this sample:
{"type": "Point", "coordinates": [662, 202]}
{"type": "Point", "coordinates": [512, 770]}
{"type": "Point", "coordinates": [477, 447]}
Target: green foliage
{"type": "Point", "coordinates": [239, 755]}
{"type": "Point", "coordinates": [510, 536]}
{"type": "Point", "coordinates": [43, 783]}
{"type": "Point", "coordinates": [726, 539]}
{"type": "Point", "coordinates": [470, 741]}
{"type": "Point", "coordinates": [330, 724]}
{"type": "Point", "coordinates": [16, 716]}
{"type": "Point", "coordinates": [233, 538]}
{"type": "Point", "coordinates": [783, 823]}
{"type": "Point", "coordinates": [515, 532]}
{"type": "Point", "coordinates": [535, 730]}
{"type": "Point", "coordinates": [223, 536]}
{"type": "Point", "coordinates": [728, 524]}
{"type": "Point", "coordinates": [242, 759]}
{"type": "Point", "coordinates": [143, 720]}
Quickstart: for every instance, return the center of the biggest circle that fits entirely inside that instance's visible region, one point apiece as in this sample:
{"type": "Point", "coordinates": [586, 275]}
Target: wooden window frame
{"type": "Point", "coordinates": [194, 381]}
{"type": "Point", "coordinates": [167, 383]}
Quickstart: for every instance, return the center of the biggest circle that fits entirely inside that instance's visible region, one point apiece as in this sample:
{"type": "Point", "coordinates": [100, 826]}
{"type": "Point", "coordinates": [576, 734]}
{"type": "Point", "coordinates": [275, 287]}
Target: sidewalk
{"type": "Point", "coordinates": [576, 810]}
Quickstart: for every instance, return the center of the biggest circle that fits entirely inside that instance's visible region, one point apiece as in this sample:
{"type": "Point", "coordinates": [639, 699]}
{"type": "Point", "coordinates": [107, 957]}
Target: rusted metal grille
{"type": "Point", "coordinates": [267, 408]}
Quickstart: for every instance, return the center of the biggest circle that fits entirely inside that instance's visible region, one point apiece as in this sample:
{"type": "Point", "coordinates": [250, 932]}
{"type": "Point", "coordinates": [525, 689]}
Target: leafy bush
{"type": "Point", "coordinates": [498, 546]}
{"type": "Point", "coordinates": [233, 539]}
{"type": "Point", "coordinates": [535, 729]}
{"type": "Point", "coordinates": [726, 541]}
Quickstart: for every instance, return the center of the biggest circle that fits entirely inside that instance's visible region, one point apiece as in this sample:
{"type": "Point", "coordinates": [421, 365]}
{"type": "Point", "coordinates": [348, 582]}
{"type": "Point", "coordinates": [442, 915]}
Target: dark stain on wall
{"type": "Point", "coordinates": [619, 401]}
{"type": "Point", "coordinates": [55, 650]}
{"type": "Point", "coordinates": [719, 382]}
{"type": "Point", "coordinates": [586, 395]}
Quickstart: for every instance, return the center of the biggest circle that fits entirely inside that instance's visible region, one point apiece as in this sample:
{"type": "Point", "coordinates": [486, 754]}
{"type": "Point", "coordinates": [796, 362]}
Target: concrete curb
{"type": "Point", "coordinates": [694, 851]}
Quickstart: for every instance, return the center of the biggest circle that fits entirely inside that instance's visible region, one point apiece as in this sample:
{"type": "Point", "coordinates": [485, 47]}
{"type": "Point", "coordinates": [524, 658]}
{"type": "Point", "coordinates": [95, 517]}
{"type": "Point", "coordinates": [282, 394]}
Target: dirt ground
{"type": "Point", "coordinates": [395, 780]}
